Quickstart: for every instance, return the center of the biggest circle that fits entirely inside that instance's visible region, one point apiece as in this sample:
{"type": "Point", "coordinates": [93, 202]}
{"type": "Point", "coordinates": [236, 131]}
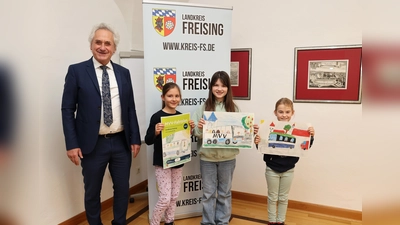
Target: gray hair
{"type": "Point", "coordinates": [104, 26]}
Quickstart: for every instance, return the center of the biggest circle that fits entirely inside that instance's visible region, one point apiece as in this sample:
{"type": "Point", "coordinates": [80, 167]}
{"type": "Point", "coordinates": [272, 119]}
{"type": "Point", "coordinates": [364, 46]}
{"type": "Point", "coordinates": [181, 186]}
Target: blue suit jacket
{"type": "Point", "coordinates": [81, 106]}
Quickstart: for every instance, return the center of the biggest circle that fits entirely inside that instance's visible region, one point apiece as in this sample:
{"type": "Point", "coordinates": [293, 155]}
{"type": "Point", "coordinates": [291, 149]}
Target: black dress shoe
{"type": "Point", "coordinates": [171, 223]}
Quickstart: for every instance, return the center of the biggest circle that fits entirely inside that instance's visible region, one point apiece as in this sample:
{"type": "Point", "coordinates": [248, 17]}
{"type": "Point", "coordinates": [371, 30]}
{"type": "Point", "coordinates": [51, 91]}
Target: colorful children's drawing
{"type": "Point", "coordinates": [176, 140]}
{"type": "Point", "coordinates": [283, 138]}
{"type": "Point", "coordinates": [228, 130]}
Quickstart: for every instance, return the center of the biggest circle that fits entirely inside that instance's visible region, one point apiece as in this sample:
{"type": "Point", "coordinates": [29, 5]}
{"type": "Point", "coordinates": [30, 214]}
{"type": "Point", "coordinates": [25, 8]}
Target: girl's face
{"type": "Point", "coordinates": [284, 112]}
{"type": "Point", "coordinates": [219, 90]}
{"type": "Point", "coordinates": [172, 98]}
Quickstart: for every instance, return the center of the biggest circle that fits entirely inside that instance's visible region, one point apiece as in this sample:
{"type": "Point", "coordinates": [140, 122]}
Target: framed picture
{"type": "Point", "coordinates": [240, 73]}
{"type": "Point", "coordinates": [330, 74]}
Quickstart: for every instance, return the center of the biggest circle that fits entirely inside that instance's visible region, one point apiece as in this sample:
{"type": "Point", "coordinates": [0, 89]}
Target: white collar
{"type": "Point", "coordinates": [97, 64]}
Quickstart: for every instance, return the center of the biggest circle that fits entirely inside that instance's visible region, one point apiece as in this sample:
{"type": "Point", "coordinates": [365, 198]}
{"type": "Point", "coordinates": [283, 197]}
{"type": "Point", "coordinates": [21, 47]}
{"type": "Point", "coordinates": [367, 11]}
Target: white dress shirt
{"type": "Point", "coordinates": [117, 125]}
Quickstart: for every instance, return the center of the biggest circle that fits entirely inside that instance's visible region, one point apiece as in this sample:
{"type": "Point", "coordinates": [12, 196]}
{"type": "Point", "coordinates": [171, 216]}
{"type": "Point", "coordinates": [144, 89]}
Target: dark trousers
{"type": "Point", "coordinates": [114, 152]}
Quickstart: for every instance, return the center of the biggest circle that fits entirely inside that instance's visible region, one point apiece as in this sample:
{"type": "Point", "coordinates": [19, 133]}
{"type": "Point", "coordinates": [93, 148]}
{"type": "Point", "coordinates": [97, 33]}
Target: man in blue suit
{"type": "Point", "coordinates": [100, 123]}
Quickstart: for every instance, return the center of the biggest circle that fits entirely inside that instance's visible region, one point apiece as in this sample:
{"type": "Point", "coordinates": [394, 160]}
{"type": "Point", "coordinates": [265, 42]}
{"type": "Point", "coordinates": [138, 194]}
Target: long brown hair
{"type": "Point", "coordinates": [230, 106]}
{"type": "Point", "coordinates": [167, 87]}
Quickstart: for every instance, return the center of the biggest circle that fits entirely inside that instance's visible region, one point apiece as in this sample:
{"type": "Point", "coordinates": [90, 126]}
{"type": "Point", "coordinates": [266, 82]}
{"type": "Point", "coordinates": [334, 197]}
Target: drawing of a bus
{"type": "Point", "coordinates": [176, 147]}
{"type": "Point", "coordinates": [226, 134]}
{"type": "Point", "coordinates": [280, 140]}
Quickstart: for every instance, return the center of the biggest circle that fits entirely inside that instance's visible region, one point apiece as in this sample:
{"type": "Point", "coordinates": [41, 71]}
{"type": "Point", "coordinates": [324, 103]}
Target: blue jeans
{"type": "Point", "coordinates": [278, 193]}
{"type": "Point", "coordinates": [217, 196]}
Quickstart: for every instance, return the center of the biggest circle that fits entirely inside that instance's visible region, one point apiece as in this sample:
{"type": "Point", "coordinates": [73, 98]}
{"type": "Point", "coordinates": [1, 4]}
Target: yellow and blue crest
{"type": "Point", "coordinates": [164, 21]}
{"type": "Point", "coordinates": [162, 76]}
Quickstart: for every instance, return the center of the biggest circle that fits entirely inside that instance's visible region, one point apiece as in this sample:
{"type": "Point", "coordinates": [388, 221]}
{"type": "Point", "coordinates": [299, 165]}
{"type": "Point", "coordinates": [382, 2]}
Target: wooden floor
{"type": "Point", "coordinates": [243, 213]}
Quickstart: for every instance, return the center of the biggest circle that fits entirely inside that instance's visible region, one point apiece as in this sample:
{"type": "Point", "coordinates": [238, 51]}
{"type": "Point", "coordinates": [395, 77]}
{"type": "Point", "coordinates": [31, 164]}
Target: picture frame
{"type": "Point", "coordinates": [240, 73]}
{"type": "Point", "coordinates": [328, 74]}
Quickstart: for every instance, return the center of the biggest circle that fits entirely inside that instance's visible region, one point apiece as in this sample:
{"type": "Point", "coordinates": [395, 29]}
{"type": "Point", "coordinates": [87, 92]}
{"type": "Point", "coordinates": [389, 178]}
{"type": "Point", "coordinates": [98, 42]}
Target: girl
{"type": "Point", "coordinates": [168, 180]}
{"type": "Point", "coordinates": [279, 171]}
{"type": "Point", "coordinates": [216, 164]}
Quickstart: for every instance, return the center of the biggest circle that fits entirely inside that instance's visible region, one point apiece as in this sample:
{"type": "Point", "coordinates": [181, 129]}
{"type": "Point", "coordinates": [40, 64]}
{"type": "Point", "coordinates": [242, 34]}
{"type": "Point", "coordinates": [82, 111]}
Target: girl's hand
{"type": "Point", "coordinates": [255, 126]}
{"type": "Point", "coordinates": [311, 131]}
{"type": "Point", "coordinates": [201, 123]}
{"type": "Point", "coordinates": [159, 128]}
{"type": "Point", "coordinates": [257, 139]}
{"type": "Point", "coordinates": [192, 125]}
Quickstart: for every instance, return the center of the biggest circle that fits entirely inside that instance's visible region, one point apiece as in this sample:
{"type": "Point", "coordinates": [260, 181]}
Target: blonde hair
{"type": "Point", "coordinates": [284, 101]}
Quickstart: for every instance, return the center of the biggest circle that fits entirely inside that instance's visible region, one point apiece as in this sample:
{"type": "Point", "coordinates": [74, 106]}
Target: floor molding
{"type": "Point", "coordinates": [314, 208]}
{"type": "Point", "coordinates": [327, 210]}
{"type": "Point", "coordinates": [81, 217]}
{"type": "Point", "coordinates": [145, 209]}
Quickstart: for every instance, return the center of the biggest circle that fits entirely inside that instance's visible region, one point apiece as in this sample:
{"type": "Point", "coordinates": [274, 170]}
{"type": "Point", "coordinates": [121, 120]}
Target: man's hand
{"type": "Point", "coordinates": [75, 155]}
{"type": "Point", "coordinates": [135, 150]}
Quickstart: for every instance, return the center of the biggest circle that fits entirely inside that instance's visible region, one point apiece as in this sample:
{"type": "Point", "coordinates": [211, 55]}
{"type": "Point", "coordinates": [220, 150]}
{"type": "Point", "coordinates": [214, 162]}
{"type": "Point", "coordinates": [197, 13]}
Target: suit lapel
{"type": "Point", "coordinates": [118, 76]}
{"type": "Point", "coordinates": [92, 74]}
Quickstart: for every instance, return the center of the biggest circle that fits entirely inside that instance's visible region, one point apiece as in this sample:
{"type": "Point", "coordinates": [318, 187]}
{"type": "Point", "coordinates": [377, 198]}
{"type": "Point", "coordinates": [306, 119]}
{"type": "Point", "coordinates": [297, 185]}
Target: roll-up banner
{"type": "Point", "coordinates": [185, 44]}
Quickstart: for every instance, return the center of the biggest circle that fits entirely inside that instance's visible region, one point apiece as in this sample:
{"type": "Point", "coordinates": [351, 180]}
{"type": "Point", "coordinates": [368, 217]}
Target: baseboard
{"type": "Point", "coordinates": [138, 188]}
{"type": "Point", "coordinates": [81, 217]}
{"type": "Point", "coordinates": [327, 210]}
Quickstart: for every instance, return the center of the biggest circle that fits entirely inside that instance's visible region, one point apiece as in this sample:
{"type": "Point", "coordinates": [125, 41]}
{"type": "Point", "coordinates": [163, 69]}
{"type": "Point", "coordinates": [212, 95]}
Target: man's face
{"type": "Point", "coordinates": [103, 46]}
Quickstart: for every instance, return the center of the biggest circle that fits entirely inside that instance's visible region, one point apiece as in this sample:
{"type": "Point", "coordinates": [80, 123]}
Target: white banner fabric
{"type": "Point", "coordinates": [185, 44]}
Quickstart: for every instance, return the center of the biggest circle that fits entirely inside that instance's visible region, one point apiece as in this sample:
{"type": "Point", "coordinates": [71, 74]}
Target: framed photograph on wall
{"type": "Point", "coordinates": [330, 74]}
{"type": "Point", "coordinates": [240, 73]}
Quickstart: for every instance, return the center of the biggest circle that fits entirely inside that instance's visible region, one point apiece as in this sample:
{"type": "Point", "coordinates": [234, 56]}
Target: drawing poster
{"type": "Point", "coordinates": [283, 138]}
{"type": "Point", "coordinates": [228, 130]}
{"type": "Point", "coordinates": [176, 140]}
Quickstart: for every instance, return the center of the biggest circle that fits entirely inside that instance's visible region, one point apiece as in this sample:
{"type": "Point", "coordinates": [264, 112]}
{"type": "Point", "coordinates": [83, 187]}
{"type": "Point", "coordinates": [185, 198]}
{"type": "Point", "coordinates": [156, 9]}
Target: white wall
{"type": "Point", "coordinates": [50, 35]}
{"type": "Point", "coordinates": [330, 175]}
{"type": "Point", "coordinates": [45, 37]}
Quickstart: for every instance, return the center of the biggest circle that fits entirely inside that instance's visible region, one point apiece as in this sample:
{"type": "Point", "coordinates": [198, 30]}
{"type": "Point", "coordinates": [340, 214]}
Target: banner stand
{"type": "Point", "coordinates": [186, 44]}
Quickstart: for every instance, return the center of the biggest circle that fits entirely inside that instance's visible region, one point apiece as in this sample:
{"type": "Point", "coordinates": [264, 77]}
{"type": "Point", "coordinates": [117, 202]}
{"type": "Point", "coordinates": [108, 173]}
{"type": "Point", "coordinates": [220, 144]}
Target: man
{"type": "Point", "coordinates": [100, 124]}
